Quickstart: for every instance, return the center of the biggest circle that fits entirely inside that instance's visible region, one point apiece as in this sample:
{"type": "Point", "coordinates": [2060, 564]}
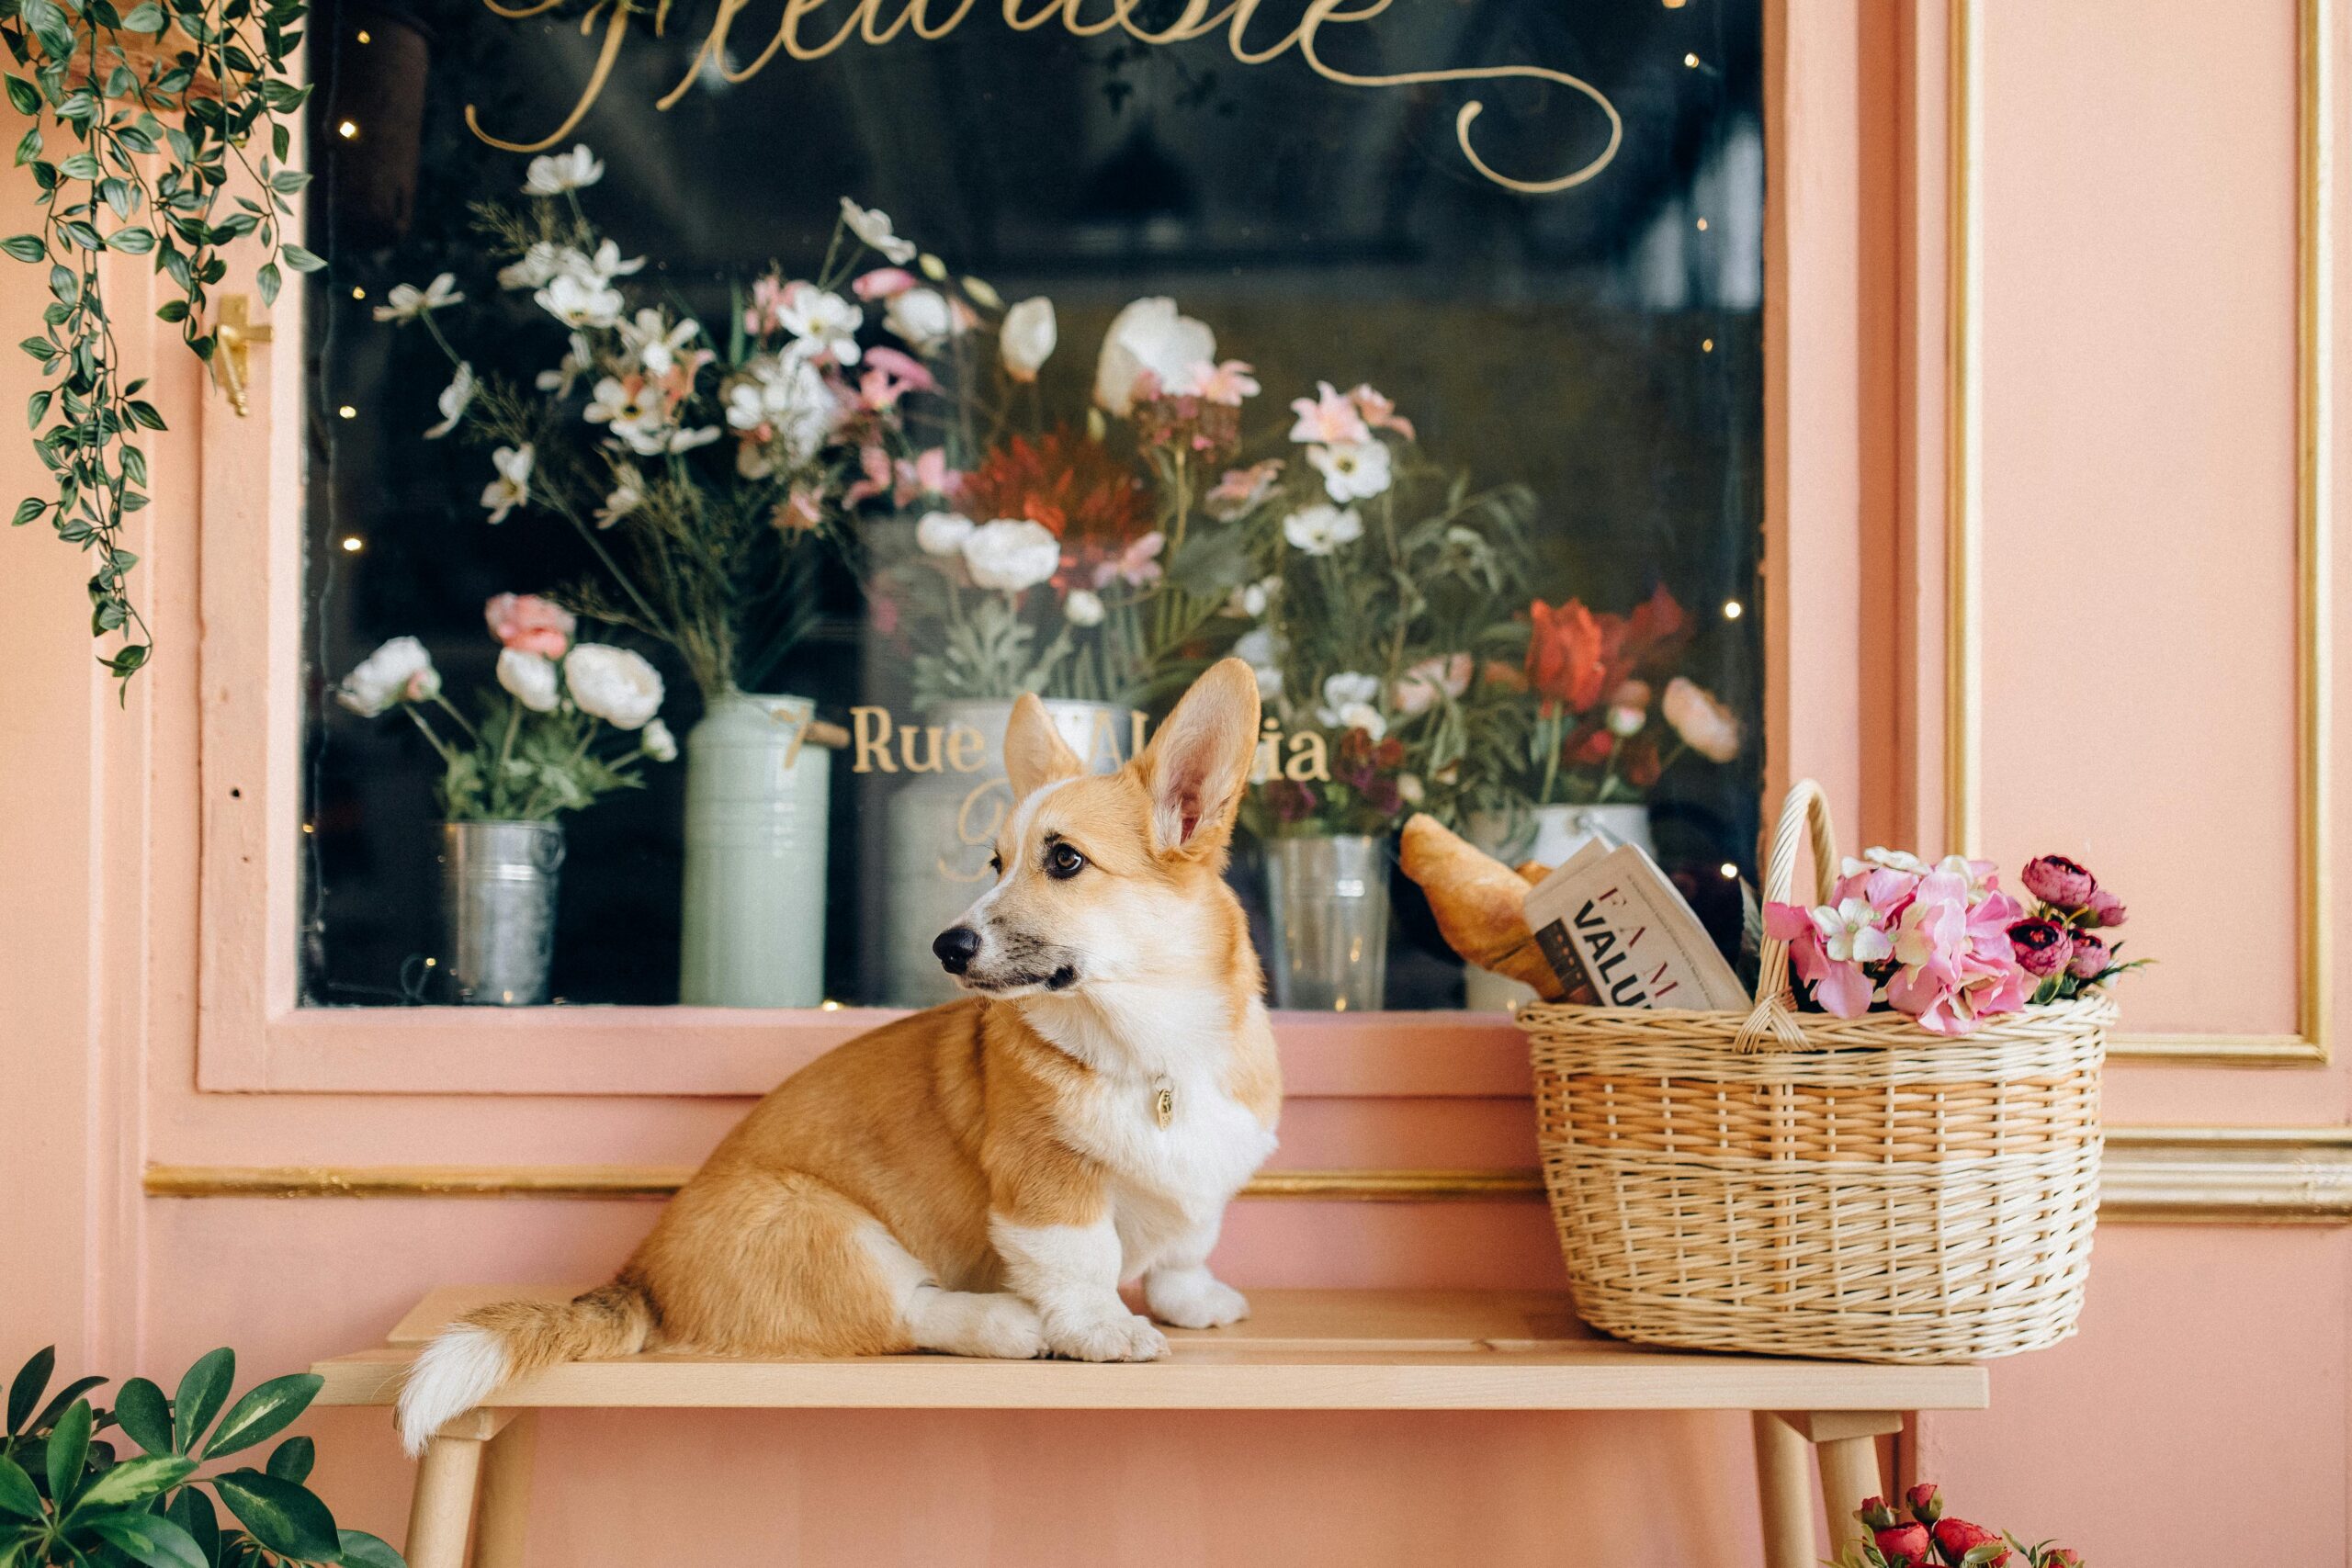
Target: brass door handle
{"type": "Point", "coordinates": [233, 333]}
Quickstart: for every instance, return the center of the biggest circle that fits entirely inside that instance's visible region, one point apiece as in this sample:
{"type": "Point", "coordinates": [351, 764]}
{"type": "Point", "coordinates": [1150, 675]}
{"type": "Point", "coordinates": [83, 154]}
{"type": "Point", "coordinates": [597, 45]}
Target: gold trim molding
{"type": "Point", "coordinates": [1963, 608]}
{"type": "Point", "coordinates": [2177, 1174]}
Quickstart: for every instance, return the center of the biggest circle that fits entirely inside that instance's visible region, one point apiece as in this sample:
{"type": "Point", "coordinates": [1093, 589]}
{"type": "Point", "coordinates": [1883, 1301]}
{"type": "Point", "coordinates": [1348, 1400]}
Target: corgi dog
{"type": "Point", "coordinates": [980, 1178]}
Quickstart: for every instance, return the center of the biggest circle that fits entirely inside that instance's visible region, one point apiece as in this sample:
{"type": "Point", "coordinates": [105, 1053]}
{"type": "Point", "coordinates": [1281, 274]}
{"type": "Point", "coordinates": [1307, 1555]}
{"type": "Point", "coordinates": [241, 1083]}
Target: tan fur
{"type": "Point", "coordinates": [935, 1127]}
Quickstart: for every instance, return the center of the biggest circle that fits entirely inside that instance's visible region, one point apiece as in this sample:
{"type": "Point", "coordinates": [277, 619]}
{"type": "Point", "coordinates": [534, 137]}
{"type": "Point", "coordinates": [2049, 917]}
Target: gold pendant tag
{"type": "Point", "coordinates": [1164, 1104]}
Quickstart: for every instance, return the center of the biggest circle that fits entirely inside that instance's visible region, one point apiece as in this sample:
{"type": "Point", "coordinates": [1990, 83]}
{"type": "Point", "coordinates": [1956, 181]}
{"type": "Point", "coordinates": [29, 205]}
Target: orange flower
{"type": "Point", "coordinates": [1075, 488]}
{"type": "Point", "coordinates": [1568, 656]}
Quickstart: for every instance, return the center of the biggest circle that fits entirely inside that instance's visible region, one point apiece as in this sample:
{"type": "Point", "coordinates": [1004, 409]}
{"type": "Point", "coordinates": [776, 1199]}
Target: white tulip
{"type": "Point", "coordinates": [613, 685]}
{"type": "Point", "coordinates": [1012, 554]}
{"type": "Point", "coordinates": [1148, 337]}
{"type": "Point", "coordinates": [530, 678]}
{"type": "Point", "coordinates": [1027, 339]}
{"type": "Point", "coordinates": [921, 317]}
{"type": "Point", "coordinates": [942, 532]}
{"type": "Point", "coordinates": [399, 671]}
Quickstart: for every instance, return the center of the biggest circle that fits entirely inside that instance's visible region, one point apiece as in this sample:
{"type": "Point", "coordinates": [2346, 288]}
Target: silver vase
{"type": "Point", "coordinates": [1329, 901]}
{"type": "Point", "coordinates": [498, 887]}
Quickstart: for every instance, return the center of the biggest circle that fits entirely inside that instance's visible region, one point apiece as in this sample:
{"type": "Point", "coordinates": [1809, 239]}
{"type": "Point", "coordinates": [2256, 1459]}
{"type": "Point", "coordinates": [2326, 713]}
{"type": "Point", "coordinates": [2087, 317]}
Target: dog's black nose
{"type": "Point", "coordinates": [956, 947]}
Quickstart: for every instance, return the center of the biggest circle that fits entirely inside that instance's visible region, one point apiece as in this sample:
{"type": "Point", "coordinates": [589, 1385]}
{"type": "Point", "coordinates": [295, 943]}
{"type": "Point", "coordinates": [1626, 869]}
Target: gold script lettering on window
{"type": "Point", "coordinates": [721, 411]}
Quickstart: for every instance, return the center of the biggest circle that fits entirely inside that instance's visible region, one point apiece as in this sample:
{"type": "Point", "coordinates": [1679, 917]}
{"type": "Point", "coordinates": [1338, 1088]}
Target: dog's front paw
{"type": "Point", "coordinates": [1193, 1298]}
{"type": "Point", "coordinates": [1121, 1337]}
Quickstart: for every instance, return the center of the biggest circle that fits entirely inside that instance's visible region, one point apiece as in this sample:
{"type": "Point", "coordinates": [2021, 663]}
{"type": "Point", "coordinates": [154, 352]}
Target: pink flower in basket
{"type": "Point", "coordinates": [1956, 964]}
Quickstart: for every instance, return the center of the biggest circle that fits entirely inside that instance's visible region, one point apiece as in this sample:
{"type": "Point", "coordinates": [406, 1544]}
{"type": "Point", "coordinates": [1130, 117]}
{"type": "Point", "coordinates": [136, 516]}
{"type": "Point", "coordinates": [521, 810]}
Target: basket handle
{"type": "Point", "coordinates": [1805, 813]}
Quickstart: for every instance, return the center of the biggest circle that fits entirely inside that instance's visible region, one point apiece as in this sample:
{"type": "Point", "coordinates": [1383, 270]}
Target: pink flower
{"type": "Point", "coordinates": [765, 314]}
{"type": "Point", "coordinates": [1418, 689]}
{"type": "Point", "coordinates": [911, 374]}
{"type": "Point", "coordinates": [801, 510]}
{"type": "Point", "coordinates": [2091, 957]}
{"type": "Point", "coordinates": [873, 464]}
{"type": "Point", "coordinates": [1241, 489]}
{"type": "Point", "coordinates": [2105, 909]}
{"type": "Point", "coordinates": [927, 474]}
{"type": "Point", "coordinates": [1329, 419]}
{"type": "Point", "coordinates": [1841, 988]}
{"type": "Point", "coordinates": [2042, 947]}
{"type": "Point", "coordinates": [1227, 383]}
{"type": "Point", "coordinates": [1956, 964]}
{"type": "Point", "coordinates": [528, 624]}
{"type": "Point", "coordinates": [1136, 565]}
{"type": "Point", "coordinates": [2055, 879]}
{"type": "Point", "coordinates": [1379, 412]}
{"type": "Point", "coordinates": [883, 283]}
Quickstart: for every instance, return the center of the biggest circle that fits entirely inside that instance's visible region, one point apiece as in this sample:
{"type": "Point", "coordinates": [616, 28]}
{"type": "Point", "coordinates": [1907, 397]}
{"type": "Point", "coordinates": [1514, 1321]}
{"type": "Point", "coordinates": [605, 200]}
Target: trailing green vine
{"type": "Point", "coordinates": [159, 103]}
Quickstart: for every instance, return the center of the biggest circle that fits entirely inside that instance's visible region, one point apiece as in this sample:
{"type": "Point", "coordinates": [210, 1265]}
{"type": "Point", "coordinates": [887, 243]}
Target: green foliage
{"type": "Point", "coordinates": [159, 103]}
{"type": "Point", "coordinates": [68, 1498]}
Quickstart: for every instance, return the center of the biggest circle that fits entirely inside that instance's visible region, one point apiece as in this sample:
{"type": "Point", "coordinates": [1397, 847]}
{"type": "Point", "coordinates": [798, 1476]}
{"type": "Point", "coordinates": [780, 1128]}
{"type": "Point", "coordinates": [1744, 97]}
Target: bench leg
{"type": "Point", "coordinates": [443, 1505]}
{"type": "Point", "coordinates": [506, 1493]}
{"type": "Point", "coordinates": [1784, 1487]}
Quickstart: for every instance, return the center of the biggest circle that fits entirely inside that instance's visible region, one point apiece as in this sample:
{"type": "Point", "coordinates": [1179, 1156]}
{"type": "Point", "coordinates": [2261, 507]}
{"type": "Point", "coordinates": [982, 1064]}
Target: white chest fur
{"type": "Point", "coordinates": [1151, 1047]}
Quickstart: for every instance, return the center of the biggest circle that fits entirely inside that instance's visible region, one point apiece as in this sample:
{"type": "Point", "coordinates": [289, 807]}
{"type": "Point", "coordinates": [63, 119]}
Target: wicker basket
{"type": "Point", "coordinates": [1797, 1184]}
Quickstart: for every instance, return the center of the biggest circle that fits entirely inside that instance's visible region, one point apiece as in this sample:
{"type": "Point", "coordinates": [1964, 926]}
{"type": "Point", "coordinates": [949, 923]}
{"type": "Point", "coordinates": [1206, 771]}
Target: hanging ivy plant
{"type": "Point", "coordinates": [155, 108]}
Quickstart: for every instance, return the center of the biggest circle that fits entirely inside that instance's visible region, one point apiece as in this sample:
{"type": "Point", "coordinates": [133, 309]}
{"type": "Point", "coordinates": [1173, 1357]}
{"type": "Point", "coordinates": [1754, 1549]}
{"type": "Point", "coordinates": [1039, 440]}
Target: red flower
{"type": "Point", "coordinates": [2062, 1557]}
{"type": "Point", "coordinates": [2042, 947]}
{"type": "Point", "coordinates": [1078, 489]}
{"type": "Point", "coordinates": [1905, 1546]}
{"type": "Point", "coordinates": [1568, 657]}
{"type": "Point", "coordinates": [2105, 909]}
{"type": "Point", "coordinates": [1957, 1536]}
{"type": "Point", "coordinates": [2055, 879]}
{"type": "Point", "coordinates": [1925, 1503]}
{"type": "Point", "coordinates": [2092, 955]}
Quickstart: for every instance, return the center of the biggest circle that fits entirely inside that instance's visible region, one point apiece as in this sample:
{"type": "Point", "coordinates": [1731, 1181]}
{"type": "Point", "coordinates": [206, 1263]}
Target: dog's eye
{"type": "Point", "coordinates": [996, 864]}
{"type": "Point", "coordinates": [1062, 862]}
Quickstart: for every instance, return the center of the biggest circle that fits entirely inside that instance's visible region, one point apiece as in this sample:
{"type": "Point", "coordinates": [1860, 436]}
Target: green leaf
{"type": "Point", "coordinates": [192, 1511]}
{"type": "Point", "coordinates": [68, 1446]}
{"type": "Point", "coordinates": [23, 96]}
{"type": "Point", "coordinates": [268, 281]}
{"type": "Point", "coordinates": [29, 147]}
{"type": "Point", "coordinates": [28, 510]}
{"type": "Point", "coordinates": [135, 1480]}
{"type": "Point", "coordinates": [135, 239]}
{"type": "Point", "coordinates": [150, 1538]}
{"type": "Point", "coordinates": [361, 1549]}
{"type": "Point", "coordinates": [269, 1408]}
{"type": "Point", "coordinates": [17, 1495]}
{"type": "Point", "coordinates": [302, 259]}
{"type": "Point", "coordinates": [25, 1389]}
{"type": "Point", "coordinates": [283, 1516]}
{"type": "Point", "coordinates": [145, 1419]}
{"type": "Point", "coordinates": [201, 1390]}
{"type": "Point", "coordinates": [292, 1459]}
{"type": "Point", "coordinates": [64, 1396]}
{"type": "Point", "coordinates": [25, 247]}
{"type": "Point", "coordinates": [41, 348]}
{"type": "Point", "coordinates": [172, 310]}
{"type": "Point", "coordinates": [146, 18]}
{"type": "Point", "coordinates": [80, 165]}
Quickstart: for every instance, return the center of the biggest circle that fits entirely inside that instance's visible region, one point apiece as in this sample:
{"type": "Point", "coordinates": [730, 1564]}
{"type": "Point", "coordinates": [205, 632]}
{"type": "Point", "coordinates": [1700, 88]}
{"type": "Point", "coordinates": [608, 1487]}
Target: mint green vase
{"type": "Point", "coordinates": [757, 792]}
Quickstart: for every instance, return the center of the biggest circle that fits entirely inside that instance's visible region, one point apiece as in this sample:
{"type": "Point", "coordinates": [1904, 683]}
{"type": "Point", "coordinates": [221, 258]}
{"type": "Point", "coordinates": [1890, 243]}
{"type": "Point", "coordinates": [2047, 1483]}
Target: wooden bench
{"type": "Point", "coordinates": [1299, 1350]}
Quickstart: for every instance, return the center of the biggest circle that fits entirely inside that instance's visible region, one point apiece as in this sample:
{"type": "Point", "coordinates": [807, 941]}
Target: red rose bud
{"type": "Point", "coordinates": [1958, 1537]}
{"type": "Point", "coordinates": [1905, 1544]}
{"type": "Point", "coordinates": [2105, 909]}
{"type": "Point", "coordinates": [2042, 946]}
{"type": "Point", "coordinates": [1876, 1515]}
{"type": "Point", "coordinates": [1925, 1503]}
{"type": "Point", "coordinates": [2091, 957]}
{"type": "Point", "coordinates": [2062, 1557]}
{"type": "Point", "coordinates": [2055, 879]}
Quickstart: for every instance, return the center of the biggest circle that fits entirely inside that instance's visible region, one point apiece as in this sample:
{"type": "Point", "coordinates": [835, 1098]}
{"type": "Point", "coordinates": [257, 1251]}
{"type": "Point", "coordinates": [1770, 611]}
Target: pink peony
{"type": "Point", "coordinates": [2042, 947]}
{"type": "Point", "coordinates": [2091, 957]}
{"type": "Point", "coordinates": [528, 624]}
{"type": "Point", "coordinates": [2105, 909]}
{"type": "Point", "coordinates": [2055, 879]}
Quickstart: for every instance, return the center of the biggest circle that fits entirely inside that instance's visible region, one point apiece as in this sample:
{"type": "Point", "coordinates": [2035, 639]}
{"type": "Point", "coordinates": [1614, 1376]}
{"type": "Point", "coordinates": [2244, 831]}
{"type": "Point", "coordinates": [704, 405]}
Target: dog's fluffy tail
{"type": "Point", "coordinates": [468, 1361]}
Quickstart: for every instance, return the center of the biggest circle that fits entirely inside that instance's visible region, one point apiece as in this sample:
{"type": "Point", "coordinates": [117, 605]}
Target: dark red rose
{"type": "Point", "coordinates": [1905, 1546]}
{"type": "Point", "coordinates": [2055, 879]}
{"type": "Point", "coordinates": [1390, 753]}
{"type": "Point", "coordinates": [2042, 946]}
{"type": "Point", "coordinates": [1925, 1503]}
{"type": "Point", "coordinates": [2091, 957]}
{"type": "Point", "coordinates": [1593, 748]}
{"type": "Point", "coordinates": [1958, 1537]}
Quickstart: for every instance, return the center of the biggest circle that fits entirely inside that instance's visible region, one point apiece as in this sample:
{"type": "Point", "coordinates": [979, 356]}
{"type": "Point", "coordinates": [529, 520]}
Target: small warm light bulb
{"type": "Point", "coordinates": [431, 961]}
{"type": "Point", "coordinates": [1692, 60]}
{"type": "Point", "coordinates": [828, 1005]}
{"type": "Point", "coordinates": [364, 37]}
{"type": "Point", "coordinates": [1734, 609]}
{"type": "Point", "coordinates": [313, 827]}
{"type": "Point", "coordinates": [1703, 225]}
{"type": "Point", "coordinates": [1731, 871]}
{"type": "Point", "coordinates": [352, 543]}
{"type": "Point", "coordinates": [1706, 345]}
{"type": "Point", "coordinates": [347, 411]}
{"type": "Point", "coordinates": [1676, 5]}
{"type": "Point", "coordinates": [357, 293]}
{"type": "Point", "coordinates": [347, 129]}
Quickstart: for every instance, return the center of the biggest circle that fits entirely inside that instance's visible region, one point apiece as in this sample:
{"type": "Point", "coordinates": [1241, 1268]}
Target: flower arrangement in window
{"type": "Point", "coordinates": [1610, 713]}
{"type": "Point", "coordinates": [570, 721]}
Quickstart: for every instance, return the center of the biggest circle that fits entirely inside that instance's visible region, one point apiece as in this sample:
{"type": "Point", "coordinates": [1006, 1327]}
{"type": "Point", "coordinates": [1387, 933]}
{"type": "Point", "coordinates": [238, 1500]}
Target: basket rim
{"type": "Point", "coordinates": [2097, 1008]}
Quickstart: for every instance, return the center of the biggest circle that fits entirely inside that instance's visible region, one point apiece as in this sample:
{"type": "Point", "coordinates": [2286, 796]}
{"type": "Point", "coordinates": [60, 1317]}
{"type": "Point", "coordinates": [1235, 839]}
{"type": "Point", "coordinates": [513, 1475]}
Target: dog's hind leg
{"type": "Point", "coordinates": [961, 1323]}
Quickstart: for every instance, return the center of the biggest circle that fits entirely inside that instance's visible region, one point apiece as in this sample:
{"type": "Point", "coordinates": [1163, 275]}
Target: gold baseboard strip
{"type": "Point", "coordinates": [2166, 1175]}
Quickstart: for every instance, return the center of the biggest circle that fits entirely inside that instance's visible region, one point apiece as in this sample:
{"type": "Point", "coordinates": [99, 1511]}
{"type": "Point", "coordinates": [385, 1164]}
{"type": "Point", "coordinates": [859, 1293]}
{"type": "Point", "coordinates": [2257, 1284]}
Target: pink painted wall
{"type": "Point", "coordinates": [2138, 470]}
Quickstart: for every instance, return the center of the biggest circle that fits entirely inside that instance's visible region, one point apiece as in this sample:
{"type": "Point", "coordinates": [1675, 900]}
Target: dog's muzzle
{"type": "Point", "coordinates": [955, 948]}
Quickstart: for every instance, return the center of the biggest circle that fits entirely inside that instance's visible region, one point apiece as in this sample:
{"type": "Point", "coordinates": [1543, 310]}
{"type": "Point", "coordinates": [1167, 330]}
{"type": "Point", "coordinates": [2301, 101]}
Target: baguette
{"type": "Point", "coordinates": [1480, 904]}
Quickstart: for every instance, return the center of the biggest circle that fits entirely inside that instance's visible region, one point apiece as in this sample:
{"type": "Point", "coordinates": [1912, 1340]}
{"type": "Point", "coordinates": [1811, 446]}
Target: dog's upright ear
{"type": "Point", "coordinates": [1035, 753]}
{"type": "Point", "coordinates": [1198, 764]}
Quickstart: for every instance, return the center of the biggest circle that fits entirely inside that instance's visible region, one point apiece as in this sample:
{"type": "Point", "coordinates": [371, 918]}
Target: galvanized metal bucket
{"type": "Point", "coordinates": [1328, 897]}
{"type": "Point", "coordinates": [498, 892]}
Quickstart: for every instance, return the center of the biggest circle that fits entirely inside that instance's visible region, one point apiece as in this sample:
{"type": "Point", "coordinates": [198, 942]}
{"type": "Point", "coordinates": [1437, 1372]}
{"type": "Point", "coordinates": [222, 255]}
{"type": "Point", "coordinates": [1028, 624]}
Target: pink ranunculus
{"type": "Point", "coordinates": [2105, 909]}
{"type": "Point", "coordinates": [2042, 947]}
{"type": "Point", "coordinates": [883, 283]}
{"type": "Point", "coordinates": [2055, 879]}
{"type": "Point", "coordinates": [528, 624]}
{"type": "Point", "coordinates": [2091, 957]}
